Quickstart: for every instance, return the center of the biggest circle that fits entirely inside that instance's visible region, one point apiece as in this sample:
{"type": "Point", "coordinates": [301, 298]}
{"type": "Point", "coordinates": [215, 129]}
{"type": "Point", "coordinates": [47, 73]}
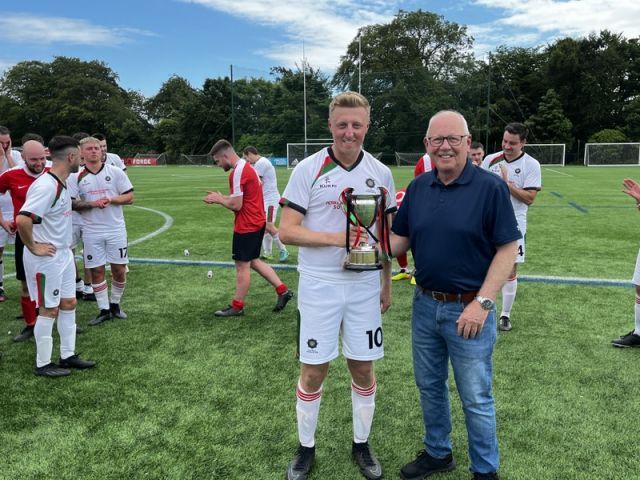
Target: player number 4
{"type": "Point", "coordinates": [520, 252]}
{"type": "Point", "coordinates": [375, 338]}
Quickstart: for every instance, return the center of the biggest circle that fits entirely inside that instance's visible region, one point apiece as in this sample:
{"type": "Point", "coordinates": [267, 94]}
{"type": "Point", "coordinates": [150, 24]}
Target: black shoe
{"type": "Point", "coordinates": [367, 462]}
{"type": "Point", "coordinates": [74, 361]}
{"type": "Point", "coordinates": [283, 300]}
{"type": "Point", "coordinates": [425, 465]}
{"type": "Point", "coordinates": [79, 330]}
{"type": "Point", "coordinates": [103, 316]}
{"type": "Point", "coordinates": [116, 312]}
{"type": "Point", "coordinates": [79, 295]}
{"type": "Point", "coordinates": [89, 297]}
{"type": "Point", "coordinates": [485, 476]}
{"type": "Point", "coordinates": [229, 312]}
{"type": "Point", "coordinates": [301, 464]}
{"type": "Point", "coordinates": [51, 370]}
{"type": "Point", "coordinates": [627, 341]}
{"type": "Point", "coordinates": [24, 335]}
{"type": "Point", "coordinates": [504, 324]}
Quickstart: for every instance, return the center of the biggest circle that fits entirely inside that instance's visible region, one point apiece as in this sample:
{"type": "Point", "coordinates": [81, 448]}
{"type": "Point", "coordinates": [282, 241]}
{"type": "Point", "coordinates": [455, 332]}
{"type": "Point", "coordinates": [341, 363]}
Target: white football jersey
{"type": "Point", "coordinates": [314, 190]}
{"type": "Point", "coordinates": [524, 172]}
{"type": "Point", "coordinates": [267, 173]}
{"type": "Point", "coordinates": [48, 204]}
{"type": "Point", "coordinates": [6, 206]}
{"type": "Point", "coordinates": [108, 182]}
{"type": "Point", "coordinates": [115, 160]}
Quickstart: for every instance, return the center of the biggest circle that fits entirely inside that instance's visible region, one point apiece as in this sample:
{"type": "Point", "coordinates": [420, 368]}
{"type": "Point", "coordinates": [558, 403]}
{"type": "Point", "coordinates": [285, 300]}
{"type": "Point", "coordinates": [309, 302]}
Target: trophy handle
{"type": "Point", "coordinates": [346, 200]}
{"type": "Point", "coordinates": [383, 224]}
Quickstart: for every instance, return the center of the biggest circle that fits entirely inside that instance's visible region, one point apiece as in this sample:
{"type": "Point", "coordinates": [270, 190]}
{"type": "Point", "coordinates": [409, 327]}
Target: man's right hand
{"type": "Point", "coordinates": [43, 249]}
{"type": "Point", "coordinates": [8, 225]}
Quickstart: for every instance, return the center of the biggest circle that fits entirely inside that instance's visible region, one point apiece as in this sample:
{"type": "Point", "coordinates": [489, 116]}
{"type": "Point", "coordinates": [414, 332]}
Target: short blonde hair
{"type": "Point", "coordinates": [86, 140]}
{"type": "Point", "coordinates": [349, 100]}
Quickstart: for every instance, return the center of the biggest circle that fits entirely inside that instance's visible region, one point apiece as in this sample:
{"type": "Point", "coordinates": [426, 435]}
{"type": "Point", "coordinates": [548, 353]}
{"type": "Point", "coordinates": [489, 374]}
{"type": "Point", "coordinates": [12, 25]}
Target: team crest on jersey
{"type": "Point", "coordinates": [370, 182]}
{"type": "Point", "coordinates": [89, 257]}
{"type": "Point", "coordinates": [107, 178]}
{"type": "Point", "coordinates": [56, 292]}
{"type": "Point", "coordinates": [517, 171]}
{"type": "Point", "coordinates": [312, 343]}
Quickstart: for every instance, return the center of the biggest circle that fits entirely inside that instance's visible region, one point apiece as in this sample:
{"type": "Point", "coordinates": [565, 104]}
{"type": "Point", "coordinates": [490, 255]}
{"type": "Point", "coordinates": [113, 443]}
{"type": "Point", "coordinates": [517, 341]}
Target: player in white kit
{"type": "Point", "coordinates": [267, 173]}
{"type": "Point", "coordinates": [335, 302]}
{"type": "Point", "coordinates": [522, 174]}
{"type": "Point", "coordinates": [99, 190]}
{"type": "Point", "coordinates": [44, 224]}
{"type": "Point", "coordinates": [8, 159]}
{"type": "Point", "coordinates": [108, 157]}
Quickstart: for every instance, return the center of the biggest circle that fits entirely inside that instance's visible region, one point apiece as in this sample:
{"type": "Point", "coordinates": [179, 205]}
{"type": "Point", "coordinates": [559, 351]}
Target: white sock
{"type": "Point", "coordinates": [117, 289]}
{"type": "Point", "coordinates": [101, 291]}
{"type": "Point", "coordinates": [508, 296]}
{"type": "Point", "coordinates": [637, 312]}
{"type": "Point", "coordinates": [44, 342]}
{"type": "Point", "coordinates": [67, 332]}
{"type": "Point", "coordinates": [279, 245]}
{"type": "Point", "coordinates": [307, 409]}
{"type": "Point", "coordinates": [79, 286]}
{"type": "Point", "coordinates": [363, 402]}
{"type": "Point", "coordinates": [267, 243]}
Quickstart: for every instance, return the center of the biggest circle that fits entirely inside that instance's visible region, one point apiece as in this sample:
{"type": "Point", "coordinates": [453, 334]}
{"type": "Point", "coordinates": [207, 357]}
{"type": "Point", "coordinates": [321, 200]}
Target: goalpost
{"type": "Point", "coordinates": [296, 152]}
{"type": "Point", "coordinates": [547, 154]}
{"type": "Point", "coordinates": [200, 160]}
{"type": "Point", "coordinates": [408, 159]}
{"type": "Point", "coordinates": [611, 154]}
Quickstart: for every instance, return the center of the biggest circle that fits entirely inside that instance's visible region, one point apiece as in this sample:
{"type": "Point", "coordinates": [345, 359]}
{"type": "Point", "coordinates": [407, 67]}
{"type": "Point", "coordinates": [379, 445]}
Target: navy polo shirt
{"type": "Point", "coordinates": [454, 229]}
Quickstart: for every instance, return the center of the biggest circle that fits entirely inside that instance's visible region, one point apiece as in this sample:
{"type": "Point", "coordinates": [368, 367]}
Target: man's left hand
{"type": "Point", "coordinates": [471, 320]}
{"type": "Point", "coordinates": [213, 197]}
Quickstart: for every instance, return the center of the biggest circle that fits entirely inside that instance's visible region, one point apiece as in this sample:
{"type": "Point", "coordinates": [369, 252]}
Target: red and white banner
{"type": "Point", "coordinates": [140, 161]}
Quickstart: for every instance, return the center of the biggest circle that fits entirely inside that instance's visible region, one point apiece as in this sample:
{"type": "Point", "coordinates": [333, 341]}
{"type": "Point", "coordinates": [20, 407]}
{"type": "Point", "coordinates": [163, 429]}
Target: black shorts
{"type": "Point", "coordinates": [246, 246]}
{"type": "Point", "coordinates": [19, 249]}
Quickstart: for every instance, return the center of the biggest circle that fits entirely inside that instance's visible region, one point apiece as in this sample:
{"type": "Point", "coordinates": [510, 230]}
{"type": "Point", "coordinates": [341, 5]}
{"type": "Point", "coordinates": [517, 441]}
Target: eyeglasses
{"type": "Point", "coordinates": [453, 140]}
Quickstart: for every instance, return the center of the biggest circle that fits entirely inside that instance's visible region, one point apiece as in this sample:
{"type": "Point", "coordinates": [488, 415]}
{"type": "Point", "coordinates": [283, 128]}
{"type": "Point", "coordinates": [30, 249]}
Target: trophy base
{"type": "Point", "coordinates": [362, 267]}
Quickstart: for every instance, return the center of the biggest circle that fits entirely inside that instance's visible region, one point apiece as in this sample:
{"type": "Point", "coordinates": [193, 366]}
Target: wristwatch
{"type": "Point", "coordinates": [486, 303]}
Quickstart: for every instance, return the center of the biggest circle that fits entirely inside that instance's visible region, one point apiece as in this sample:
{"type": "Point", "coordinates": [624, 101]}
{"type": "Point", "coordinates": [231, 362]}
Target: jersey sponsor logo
{"type": "Point", "coordinates": [326, 183]}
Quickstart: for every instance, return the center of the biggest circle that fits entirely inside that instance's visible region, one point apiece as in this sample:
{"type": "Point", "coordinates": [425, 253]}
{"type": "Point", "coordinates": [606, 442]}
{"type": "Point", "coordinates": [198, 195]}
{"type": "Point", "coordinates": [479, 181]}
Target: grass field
{"type": "Point", "coordinates": [179, 394]}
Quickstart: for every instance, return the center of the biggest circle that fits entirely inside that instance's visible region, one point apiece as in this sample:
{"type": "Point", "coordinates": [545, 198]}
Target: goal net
{"type": "Point", "coordinates": [611, 154]}
{"type": "Point", "coordinates": [296, 152]}
{"type": "Point", "coordinates": [547, 153]}
{"type": "Point", "coordinates": [404, 159]}
{"type": "Point", "coordinates": [199, 160]}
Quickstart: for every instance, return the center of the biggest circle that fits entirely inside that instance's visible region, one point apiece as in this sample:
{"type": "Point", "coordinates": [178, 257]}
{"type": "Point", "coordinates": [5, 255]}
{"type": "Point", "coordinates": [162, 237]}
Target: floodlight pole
{"type": "Point", "coordinates": [233, 115]}
{"type": "Point", "coordinates": [359, 62]}
{"type": "Point", "coordinates": [304, 90]}
{"type": "Point", "coordinates": [486, 138]}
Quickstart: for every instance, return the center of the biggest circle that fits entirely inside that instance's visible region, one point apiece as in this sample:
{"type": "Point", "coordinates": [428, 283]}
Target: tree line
{"type": "Point", "coordinates": [570, 91]}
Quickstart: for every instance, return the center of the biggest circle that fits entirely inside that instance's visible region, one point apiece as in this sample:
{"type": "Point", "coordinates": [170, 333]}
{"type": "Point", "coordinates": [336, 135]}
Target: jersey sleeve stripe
{"type": "Point", "coordinates": [34, 218]}
{"type": "Point", "coordinates": [128, 191]}
{"type": "Point", "coordinates": [286, 203]}
{"type": "Point", "coordinates": [326, 166]}
{"type": "Point", "coordinates": [496, 160]}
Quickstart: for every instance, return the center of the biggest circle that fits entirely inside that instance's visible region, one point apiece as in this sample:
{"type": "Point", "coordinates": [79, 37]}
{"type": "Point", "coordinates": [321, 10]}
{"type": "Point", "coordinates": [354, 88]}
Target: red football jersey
{"type": "Point", "coordinates": [17, 181]}
{"type": "Point", "coordinates": [421, 167]}
{"type": "Point", "coordinates": [244, 181]}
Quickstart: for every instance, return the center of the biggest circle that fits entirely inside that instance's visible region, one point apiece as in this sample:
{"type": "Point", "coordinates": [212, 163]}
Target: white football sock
{"type": "Point", "coordinates": [307, 409]}
{"type": "Point", "coordinates": [363, 402]}
{"type": "Point", "coordinates": [117, 289]}
{"type": "Point", "coordinates": [509, 296]}
{"type": "Point", "coordinates": [637, 313]}
{"type": "Point", "coordinates": [279, 245]}
{"type": "Point", "coordinates": [101, 290]}
{"type": "Point", "coordinates": [44, 342]}
{"type": "Point", "coordinates": [67, 332]}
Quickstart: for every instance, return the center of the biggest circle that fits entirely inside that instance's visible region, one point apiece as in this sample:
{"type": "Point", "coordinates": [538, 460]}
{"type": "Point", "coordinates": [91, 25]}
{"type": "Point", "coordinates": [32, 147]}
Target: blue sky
{"type": "Point", "coordinates": [147, 41]}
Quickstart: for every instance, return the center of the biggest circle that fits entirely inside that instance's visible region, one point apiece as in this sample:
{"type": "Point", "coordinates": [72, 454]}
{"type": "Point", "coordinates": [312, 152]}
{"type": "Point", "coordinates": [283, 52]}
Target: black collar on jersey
{"type": "Point", "coordinates": [99, 170]}
{"type": "Point", "coordinates": [333, 157]}
{"type": "Point", "coordinates": [60, 182]}
{"type": "Point", "coordinates": [515, 159]}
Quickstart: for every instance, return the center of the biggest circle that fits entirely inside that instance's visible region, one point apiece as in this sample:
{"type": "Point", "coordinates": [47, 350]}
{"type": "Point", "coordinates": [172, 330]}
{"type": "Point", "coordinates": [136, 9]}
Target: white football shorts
{"type": "Point", "coordinates": [50, 278]}
{"type": "Point", "coordinates": [6, 239]}
{"type": "Point", "coordinates": [328, 311]}
{"type": "Point", "coordinates": [100, 249]}
{"type": "Point", "coordinates": [636, 274]}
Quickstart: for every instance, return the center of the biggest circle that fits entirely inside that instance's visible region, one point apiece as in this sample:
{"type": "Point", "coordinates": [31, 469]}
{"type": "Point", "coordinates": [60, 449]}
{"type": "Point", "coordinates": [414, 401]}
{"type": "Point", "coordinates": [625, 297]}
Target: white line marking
{"type": "Point", "coordinates": [168, 221]}
{"type": "Point", "coordinates": [559, 173]}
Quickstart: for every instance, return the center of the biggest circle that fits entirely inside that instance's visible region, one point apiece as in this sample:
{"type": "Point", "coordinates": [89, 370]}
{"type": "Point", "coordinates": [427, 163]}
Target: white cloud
{"type": "Point", "coordinates": [26, 28]}
{"type": "Point", "coordinates": [543, 18]}
{"type": "Point", "coordinates": [325, 26]}
{"type": "Point", "coordinates": [6, 65]}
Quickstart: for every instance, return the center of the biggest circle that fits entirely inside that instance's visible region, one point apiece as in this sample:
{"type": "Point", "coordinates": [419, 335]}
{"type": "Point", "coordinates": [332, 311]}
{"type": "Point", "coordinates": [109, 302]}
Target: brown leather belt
{"type": "Point", "coordinates": [466, 297]}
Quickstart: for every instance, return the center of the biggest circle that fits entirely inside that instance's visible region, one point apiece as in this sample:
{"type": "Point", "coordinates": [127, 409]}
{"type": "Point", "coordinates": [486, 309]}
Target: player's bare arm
{"type": "Point", "coordinates": [80, 205]}
{"type": "Point", "coordinates": [632, 188]}
{"type": "Point", "coordinates": [399, 244]}
{"type": "Point", "coordinates": [293, 233]}
{"type": "Point", "coordinates": [232, 203]}
{"type": "Point", "coordinates": [473, 316]}
{"type": "Point", "coordinates": [124, 199]}
{"type": "Point", "coordinates": [25, 228]}
{"type": "Point", "coordinates": [521, 194]}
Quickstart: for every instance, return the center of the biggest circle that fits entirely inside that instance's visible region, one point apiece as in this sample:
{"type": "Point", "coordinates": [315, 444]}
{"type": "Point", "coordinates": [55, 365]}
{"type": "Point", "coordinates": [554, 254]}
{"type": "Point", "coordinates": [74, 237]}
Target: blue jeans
{"type": "Point", "coordinates": [435, 341]}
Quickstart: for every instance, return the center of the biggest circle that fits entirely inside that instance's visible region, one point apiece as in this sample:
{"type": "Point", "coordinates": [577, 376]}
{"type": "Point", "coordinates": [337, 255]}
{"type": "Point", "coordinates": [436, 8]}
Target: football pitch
{"type": "Point", "coordinates": [180, 394]}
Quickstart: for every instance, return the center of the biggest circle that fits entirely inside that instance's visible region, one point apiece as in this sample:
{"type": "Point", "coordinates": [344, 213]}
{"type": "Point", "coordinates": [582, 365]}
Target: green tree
{"type": "Point", "coordinates": [549, 124]}
{"type": "Point", "coordinates": [608, 135]}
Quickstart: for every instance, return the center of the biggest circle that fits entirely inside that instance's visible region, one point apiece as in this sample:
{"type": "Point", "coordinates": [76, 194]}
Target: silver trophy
{"type": "Point", "coordinates": [364, 210]}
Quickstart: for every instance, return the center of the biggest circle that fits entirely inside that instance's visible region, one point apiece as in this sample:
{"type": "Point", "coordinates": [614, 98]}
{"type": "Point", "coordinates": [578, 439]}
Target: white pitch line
{"type": "Point", "coordinates": [168, 221]}
{"type": "Point", "coordinates": [559, 173]}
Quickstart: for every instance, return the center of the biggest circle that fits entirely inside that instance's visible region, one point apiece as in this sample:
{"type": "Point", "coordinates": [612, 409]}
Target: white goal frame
{"type": "Point", "coordinates": [315, 147]}
{"type": "Point", "coordinates": [542, 162]}
{"type": "Point", "coordinates": [621, 145]}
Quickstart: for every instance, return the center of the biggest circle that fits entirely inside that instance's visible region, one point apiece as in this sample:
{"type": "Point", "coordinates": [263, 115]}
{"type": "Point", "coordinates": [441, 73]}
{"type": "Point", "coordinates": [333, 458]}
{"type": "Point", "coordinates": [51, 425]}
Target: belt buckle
{"type": "Point", "coordinates": [439, 296]}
